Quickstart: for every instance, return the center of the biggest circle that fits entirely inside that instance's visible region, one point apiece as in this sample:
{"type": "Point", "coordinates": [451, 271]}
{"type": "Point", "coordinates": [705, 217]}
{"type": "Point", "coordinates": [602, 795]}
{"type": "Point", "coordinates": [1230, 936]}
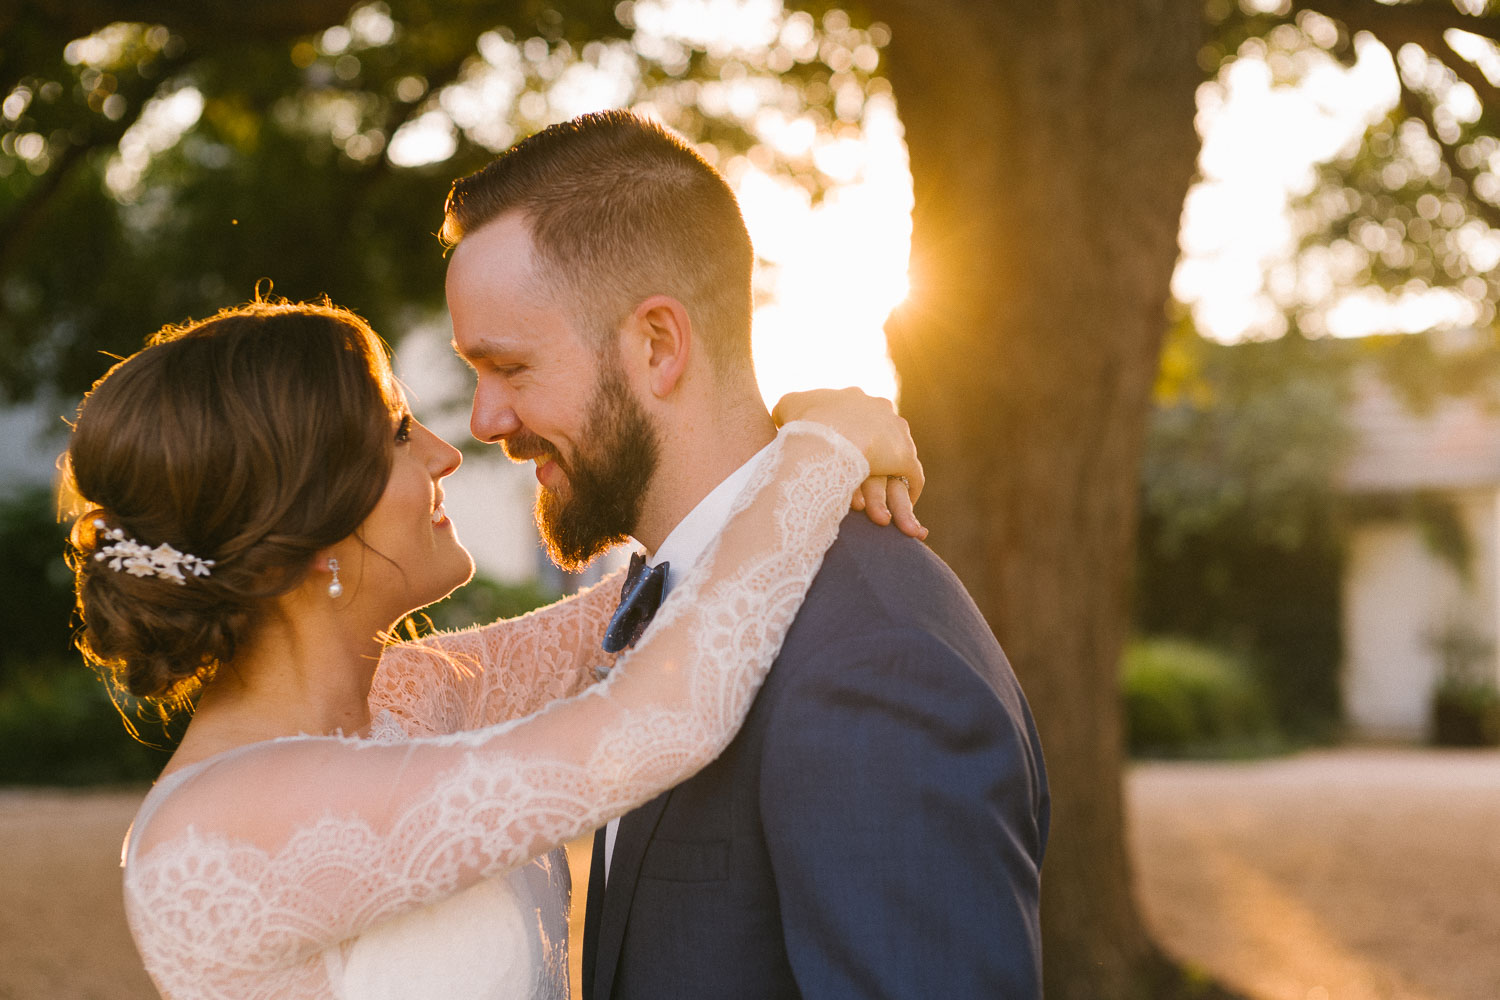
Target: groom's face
{"type": "Point", "coordinates": [547, 394]}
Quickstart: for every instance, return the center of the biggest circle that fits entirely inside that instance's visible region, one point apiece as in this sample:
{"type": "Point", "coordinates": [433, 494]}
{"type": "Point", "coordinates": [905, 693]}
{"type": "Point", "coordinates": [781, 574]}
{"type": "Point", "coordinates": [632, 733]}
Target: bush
{"type": "Point", "coordinates": [1182, 699]}
{"type": "Point", "coordinates": [36, 587]}
{"type": "Point", "coordinates": [1466, 714]}
{"type": "Point", "coordinates": [483, 600]}
{"type": "Point", "coordinates": [59, 727]}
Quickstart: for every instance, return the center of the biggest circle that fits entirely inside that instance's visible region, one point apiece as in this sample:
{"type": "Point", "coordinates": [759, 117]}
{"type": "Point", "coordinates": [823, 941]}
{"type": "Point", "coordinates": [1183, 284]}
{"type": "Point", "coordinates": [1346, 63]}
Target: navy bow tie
{"type": "Point", "coordinates": [639, 599]}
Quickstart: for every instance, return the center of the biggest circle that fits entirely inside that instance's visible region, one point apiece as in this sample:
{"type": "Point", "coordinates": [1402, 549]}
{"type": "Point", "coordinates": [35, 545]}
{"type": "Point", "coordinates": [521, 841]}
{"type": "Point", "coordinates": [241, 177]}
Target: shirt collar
{"type": "Point", "coordinates": [684, 546]}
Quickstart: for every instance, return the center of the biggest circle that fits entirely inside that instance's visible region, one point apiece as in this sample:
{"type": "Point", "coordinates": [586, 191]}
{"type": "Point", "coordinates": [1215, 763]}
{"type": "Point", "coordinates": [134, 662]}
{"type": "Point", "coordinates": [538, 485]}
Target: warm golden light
{"type": "Point", "coordinates": [833, 271]}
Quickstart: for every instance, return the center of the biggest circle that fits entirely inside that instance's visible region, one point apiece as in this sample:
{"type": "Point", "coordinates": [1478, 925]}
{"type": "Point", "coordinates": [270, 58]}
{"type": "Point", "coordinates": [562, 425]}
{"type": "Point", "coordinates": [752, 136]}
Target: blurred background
{"type": "Point", "coordinates": [1191, 306]}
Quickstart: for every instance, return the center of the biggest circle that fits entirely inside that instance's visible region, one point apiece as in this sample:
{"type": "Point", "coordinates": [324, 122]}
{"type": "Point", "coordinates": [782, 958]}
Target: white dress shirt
{"type": "Point", "coordinates": [682, 549]}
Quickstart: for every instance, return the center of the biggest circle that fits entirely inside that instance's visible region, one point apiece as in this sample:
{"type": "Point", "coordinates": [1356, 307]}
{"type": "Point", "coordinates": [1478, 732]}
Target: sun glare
{"type": "Point", "coordinates": [833, 271]}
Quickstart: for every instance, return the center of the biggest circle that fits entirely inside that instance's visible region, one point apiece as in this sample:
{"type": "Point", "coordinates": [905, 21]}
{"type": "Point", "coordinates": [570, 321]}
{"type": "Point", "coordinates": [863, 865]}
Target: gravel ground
{"type": "Point", "coordinates": [1340, 875]}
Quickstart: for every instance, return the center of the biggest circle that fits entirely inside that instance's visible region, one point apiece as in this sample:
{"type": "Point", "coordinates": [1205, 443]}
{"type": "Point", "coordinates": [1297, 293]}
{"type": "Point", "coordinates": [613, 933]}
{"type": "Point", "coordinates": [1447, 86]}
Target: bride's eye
{"type": "Point", "coordinates": [403, 430]}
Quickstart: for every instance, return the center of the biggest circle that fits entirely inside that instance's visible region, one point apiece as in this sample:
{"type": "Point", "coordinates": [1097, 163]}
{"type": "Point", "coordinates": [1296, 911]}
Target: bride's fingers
{"type": "Point", "coordinates": [899, 500]}
{"type": "Point", "coordinates": [886, 500]}
{"type": "Point", "coordinates": [915, 481]}
{"type": "Point", "coordinates": [872, 493]}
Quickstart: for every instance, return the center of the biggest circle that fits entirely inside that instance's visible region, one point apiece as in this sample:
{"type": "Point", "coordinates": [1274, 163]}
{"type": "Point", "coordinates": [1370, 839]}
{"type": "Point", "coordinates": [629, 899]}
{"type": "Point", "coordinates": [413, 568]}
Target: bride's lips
{"type": "Point", "coordinates": [439, 515]}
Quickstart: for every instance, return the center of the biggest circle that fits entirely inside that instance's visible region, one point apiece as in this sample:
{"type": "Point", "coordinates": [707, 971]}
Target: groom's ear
{"type": "Point", "coordinates": [659, 340]}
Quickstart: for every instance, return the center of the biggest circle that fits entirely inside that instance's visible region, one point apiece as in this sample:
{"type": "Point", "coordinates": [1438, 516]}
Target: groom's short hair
{"type": "Point", "coordinates": [620, 208]}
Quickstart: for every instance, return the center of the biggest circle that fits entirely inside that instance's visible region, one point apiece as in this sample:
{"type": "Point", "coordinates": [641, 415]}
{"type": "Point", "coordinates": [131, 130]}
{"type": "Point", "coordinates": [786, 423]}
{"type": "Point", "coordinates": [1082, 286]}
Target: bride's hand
{"type": "Point", "coordinates": [871, 423]}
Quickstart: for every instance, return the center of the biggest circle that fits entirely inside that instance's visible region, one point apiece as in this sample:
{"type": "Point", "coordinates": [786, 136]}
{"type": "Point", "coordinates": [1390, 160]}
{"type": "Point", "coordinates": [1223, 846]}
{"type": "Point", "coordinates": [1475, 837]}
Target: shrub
{"type": "Point", "coordinates": [36, 588]}
{"type": "Point", "coordinates": [1466, 714]}
{"type": "Point", "coordinates": [58, 727]}
{"type": "Point", "coordinates": [484, 600]}
{"type": "Point", "coordinates": [1183, 698]}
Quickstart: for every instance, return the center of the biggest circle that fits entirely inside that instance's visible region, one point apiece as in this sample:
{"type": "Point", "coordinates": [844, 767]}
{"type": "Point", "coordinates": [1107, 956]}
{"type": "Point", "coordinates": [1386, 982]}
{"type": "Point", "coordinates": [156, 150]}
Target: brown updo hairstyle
{"type": "Point", "coordinates": [253, 438]}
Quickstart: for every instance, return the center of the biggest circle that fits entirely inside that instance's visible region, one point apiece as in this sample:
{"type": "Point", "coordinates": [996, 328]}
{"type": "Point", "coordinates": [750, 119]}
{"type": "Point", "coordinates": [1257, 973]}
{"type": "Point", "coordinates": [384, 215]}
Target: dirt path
{"type": "Point", "coordinates": [62, 924]}
{"type": "Point", "coordinates": [1347, 875]}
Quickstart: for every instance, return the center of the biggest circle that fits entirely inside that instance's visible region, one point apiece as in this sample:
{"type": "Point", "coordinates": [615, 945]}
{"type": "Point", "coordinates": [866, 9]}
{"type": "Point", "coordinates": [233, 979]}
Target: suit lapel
{"type": "Point", "coordinates": [636, 830]}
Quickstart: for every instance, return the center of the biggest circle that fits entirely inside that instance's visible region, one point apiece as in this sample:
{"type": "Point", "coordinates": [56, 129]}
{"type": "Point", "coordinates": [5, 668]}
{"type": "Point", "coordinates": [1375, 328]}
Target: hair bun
{"type": "Point", "coordinates": [216, 463]}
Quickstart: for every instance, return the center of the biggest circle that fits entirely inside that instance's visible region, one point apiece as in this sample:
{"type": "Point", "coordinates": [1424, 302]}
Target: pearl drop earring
{"type": "Point", "coordinates": [335, 589]}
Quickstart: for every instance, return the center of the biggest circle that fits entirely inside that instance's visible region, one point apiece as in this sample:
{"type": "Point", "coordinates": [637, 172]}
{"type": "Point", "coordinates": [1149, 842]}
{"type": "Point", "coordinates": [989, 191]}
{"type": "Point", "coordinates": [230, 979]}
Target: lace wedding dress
{"type": "Point", "coordinates": [422, 861]}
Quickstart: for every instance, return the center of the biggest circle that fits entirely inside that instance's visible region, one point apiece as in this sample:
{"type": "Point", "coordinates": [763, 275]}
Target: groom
{"type": "Point", "coordinates": [877, 827]}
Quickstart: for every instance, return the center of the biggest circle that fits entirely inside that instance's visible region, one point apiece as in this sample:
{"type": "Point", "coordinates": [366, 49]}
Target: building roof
{"type": "Point", "coordinates": [1454, 445]}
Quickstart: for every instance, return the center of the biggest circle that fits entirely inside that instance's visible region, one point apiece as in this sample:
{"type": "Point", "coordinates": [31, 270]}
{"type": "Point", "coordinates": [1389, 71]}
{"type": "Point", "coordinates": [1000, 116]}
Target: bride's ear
{"type": "Point", "coordinates": [324, 573]}
{"type": "Point", "coordinates": [658, 343]}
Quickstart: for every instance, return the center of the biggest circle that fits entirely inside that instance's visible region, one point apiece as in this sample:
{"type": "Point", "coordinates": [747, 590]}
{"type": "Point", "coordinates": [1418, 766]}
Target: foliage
{"type": "Point", "coordinates": [1413, 210]}
{"type": "Point", "coordinates": [57, 723]}
{"type": "Point", "coordinates": [1102, 940]}
{"type": "Point", "coordinates": [1241, 520]}
{"type": "Point", "coordinates": [1249, 434]}
{"type": "Point", "coordinates": [1466, 713]}
{"type": "Point", "coordinates": [59, 727]}
{"type": "Point", "coordinates": [1185, 698]}
{"type": "Point", "coordinates": [36, 589]}
{"type": "Point", "coordinates": [484, 600]}
{"type": "Point", "coordinates": [154, 171]}
{"type": "Point", "coordinates": [1243, 523]}
{"type": "Point", "coordinates": [1466, 701]}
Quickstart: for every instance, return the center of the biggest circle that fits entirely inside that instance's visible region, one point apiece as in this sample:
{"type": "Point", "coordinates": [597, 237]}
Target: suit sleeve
{"type": "Point", "coordinates": [904, 811]}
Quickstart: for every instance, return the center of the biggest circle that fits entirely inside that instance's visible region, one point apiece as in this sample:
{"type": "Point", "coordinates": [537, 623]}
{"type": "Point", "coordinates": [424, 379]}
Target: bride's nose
{"type": "Point", "coordinates": [442, 457]}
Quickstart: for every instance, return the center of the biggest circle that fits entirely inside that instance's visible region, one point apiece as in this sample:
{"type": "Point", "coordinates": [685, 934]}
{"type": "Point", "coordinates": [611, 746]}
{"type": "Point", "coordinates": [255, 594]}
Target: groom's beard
{"type": "Point", "coordinates": [599, 504]}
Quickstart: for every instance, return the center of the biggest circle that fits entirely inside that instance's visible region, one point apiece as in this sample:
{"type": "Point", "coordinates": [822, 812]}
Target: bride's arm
{"type": "Point", "coordinates": [488, 674]}
{"type": "Point", "coordinates": [320, 838]}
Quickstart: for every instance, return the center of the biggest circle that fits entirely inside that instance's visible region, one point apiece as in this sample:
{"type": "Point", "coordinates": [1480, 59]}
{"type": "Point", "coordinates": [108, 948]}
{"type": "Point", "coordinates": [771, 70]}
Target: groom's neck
{"type": "Point", "coordinates": [699, 451]}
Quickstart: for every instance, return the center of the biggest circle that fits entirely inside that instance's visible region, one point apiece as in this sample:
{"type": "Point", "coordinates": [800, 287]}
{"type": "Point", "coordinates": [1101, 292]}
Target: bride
{"type": "Point", "coordinates": [259, 507]}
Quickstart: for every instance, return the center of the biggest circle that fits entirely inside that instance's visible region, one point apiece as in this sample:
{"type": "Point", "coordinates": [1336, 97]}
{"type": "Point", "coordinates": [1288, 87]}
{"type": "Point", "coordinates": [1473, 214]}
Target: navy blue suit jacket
{"type": "Point", "coordinates": [875, 830]}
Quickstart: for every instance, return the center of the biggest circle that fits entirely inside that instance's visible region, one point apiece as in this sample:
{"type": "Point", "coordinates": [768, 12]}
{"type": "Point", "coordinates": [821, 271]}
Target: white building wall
{"type": "Point", "coordinates": [1400, 599]}
{"type": "Point", "coordinates": [32, 437]}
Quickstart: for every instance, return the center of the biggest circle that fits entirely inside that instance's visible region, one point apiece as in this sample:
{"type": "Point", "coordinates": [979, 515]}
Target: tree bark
{"type": "Point", "coordinates": [1052, 145]}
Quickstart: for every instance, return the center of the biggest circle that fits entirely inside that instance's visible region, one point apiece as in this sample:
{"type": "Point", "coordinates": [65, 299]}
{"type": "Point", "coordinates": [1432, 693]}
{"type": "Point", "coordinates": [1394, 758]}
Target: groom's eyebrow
{"type": "Point", "coordinates": [486, 348]}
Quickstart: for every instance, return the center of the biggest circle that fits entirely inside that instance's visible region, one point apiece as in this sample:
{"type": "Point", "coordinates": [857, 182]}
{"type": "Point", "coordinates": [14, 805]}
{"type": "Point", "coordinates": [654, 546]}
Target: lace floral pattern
{"type": "Point", "coordinates": [249, 874]}
{"type": "Point", "coordinates": [492, 673]}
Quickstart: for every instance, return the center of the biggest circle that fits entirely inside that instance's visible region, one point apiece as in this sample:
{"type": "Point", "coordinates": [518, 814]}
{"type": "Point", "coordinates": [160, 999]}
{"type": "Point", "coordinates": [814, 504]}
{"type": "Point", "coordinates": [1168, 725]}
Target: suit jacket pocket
{"type": "Point", "coordinates": [686, 860]}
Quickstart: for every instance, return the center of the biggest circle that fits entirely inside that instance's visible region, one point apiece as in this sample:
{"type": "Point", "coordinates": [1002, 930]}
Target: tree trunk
{"type": "Point", "coordinates": [1052, 144]}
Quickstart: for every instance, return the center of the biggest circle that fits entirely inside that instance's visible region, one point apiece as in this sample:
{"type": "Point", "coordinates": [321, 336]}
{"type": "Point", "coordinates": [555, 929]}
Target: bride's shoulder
{"type": "Point", "coordinates": [239, 793]}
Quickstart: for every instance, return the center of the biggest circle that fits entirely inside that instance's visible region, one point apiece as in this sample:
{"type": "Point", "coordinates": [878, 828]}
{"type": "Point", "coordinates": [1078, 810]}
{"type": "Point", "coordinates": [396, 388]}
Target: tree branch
{"type": "Point", "coordinates": [1422, 23]}
{"type": "Point", "coordinates": [228, 22]}
{"type": "Point", "coordinates": [1402, 25]}
{"type": "Point", "coordinates": [27, 215]}
{"type": "Point", "coordinates": [1415, 107]}
{"type": "Point", "coordinates": [1489, 94]}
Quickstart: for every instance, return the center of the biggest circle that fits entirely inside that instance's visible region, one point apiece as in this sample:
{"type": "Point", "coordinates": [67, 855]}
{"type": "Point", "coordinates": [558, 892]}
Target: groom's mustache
{"type": "Point", "coordinates": [528, 447]}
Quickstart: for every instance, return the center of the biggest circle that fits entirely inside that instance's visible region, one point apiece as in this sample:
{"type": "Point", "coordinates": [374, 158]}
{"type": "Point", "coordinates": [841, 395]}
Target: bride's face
{"type": "Point", "coordinates": [411, 555]}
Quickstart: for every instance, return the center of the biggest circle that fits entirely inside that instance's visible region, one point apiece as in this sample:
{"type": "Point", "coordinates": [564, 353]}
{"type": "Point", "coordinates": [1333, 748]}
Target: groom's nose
{"type": "Point", "coordinates": [492, 418]}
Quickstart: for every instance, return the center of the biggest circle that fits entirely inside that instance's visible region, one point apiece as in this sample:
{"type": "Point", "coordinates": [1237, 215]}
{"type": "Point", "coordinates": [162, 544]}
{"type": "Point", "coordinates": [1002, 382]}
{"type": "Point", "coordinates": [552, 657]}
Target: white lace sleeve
{"type": "Point", "coordinates": [491, 673]}
{"type": "Point", "coordinates": [242, 876]}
